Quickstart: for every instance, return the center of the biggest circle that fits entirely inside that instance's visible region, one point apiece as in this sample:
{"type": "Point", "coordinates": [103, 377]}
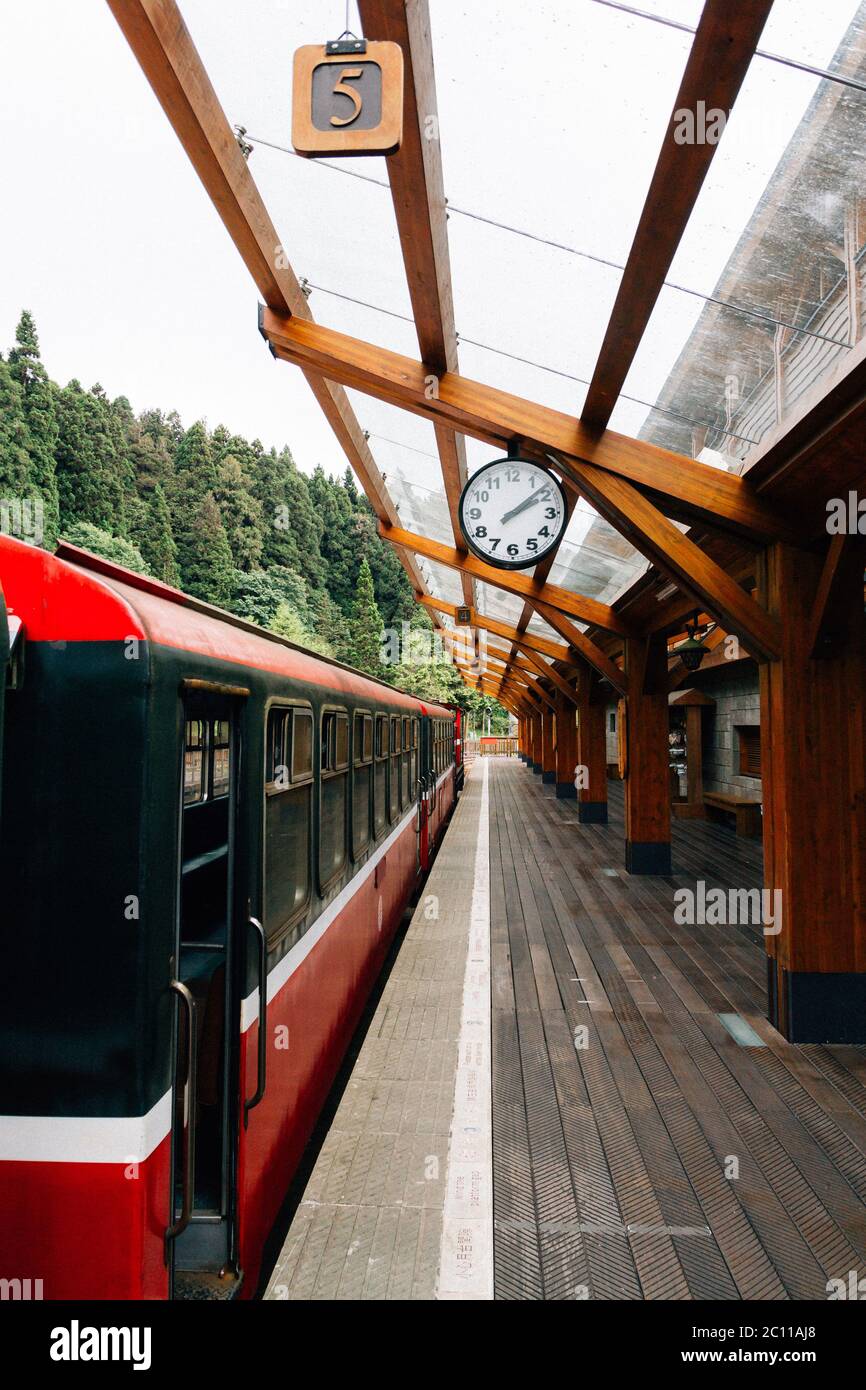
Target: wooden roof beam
{"type": "Point", "coordinates": [161, 42]}
{"type": "Point", "coordinates": [700, 493]}
{"type": "Point", "coordinates": [528, 640]}
{"type": "Point", "coordinates": [587, 610]}
{"type": "Point", "coordinates": [418, 193]}
{"type": "Point", "coordinates": [682, 560]}
{"type": "Point", "coordinates": [723, 47]}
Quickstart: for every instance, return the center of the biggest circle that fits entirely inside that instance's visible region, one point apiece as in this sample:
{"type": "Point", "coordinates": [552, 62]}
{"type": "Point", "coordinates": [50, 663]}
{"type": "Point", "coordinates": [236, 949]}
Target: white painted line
{"type": "Point", "coordinates": [466, 1254]}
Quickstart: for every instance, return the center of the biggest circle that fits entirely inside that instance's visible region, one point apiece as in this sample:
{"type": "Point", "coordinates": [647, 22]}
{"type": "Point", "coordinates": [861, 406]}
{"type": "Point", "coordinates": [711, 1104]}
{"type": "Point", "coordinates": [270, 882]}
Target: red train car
{"type": "Point", "coordinates": [207, 840]}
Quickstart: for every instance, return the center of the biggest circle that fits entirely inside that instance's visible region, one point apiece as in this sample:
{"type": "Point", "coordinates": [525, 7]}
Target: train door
{"type": "Point", "coordinates": [4, 666]}
{"type": "Point", "coordinates": [201, 1242]}
{"type": "Point", "coordinates": [424, 789]}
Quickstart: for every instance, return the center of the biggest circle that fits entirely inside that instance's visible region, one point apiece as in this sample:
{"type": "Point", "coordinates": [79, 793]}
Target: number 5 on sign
{"type": "Point", "coordinates": [347, 98]}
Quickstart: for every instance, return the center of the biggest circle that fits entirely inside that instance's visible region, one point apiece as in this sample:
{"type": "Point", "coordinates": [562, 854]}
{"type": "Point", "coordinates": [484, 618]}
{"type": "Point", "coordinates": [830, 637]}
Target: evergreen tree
{"type": "Point", "coordinates": [101, 542]}
{"type": "Point", "coordinates": [288, 623]}
{"type": "Point", "coordinates": [258, 596]}
{"type": "Point", "coordinates": [150, 529]}
{"type": "Point", "coordinates": [15, 471]}
{"type": "Point", "coordinates": [90, 474]}
{"type": "Point", "coordinates": [40, 414]}
{"type": "Point", "coordinates": [366, 627]}
{"type": "Point", "coordinates": [271, 490]}
{"type": "Point", "coordinates": [205, 555]}
{"type": "Point", "coordinates": [241, 513]}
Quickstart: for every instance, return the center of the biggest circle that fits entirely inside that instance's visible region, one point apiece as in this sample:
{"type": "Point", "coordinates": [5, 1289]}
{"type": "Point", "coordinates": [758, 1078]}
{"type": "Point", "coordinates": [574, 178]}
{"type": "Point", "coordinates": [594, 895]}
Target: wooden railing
{"type": "Point", "coordinates": [489, 746]}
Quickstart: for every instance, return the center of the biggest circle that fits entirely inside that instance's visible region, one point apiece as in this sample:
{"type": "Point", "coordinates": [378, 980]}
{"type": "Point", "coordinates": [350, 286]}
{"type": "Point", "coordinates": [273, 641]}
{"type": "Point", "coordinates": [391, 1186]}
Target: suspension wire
{"type": "Point", "coordinates": [759, 52]}
{"type": "Point", "coordinates": [572, 250]}
{"type": "Point", "coordinates": [529, 362]}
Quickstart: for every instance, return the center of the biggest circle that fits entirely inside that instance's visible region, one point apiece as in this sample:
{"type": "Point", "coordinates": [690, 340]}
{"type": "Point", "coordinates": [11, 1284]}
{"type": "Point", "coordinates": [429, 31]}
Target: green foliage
{"type": "Point", "coordinates": [258, 596]}
{"type": "Point", "coordinates": [25, 365]}
{"type": "Point", "coordinates": [100, 542]}
{"type": "Point", "coordinates": [207, 511]}
{"type": "Point", "coordinates": [365, 627]}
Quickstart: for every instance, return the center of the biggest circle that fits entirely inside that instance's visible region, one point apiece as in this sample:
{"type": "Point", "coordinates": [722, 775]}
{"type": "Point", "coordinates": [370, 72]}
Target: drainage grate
{"type": "Point", "coordinates": [741, 1031]}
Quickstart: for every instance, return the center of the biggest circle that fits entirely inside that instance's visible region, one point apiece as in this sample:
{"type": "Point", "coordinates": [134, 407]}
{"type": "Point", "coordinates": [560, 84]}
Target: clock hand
{"type": "Point", "coordinates": [530, 501]}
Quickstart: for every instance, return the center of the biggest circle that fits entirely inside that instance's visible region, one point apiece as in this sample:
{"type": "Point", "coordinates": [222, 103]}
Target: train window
{"type": "Point", "coordinates": [380, 775]}
{"type": "Point", "coordinates": [332, 796]}
{"type": "Point", "coordinates": [394, 806]}
{"type": "Point", "coordinates": [276, 765]}
{"type": "Point", "coordinates": [414, 733]}
{"type": "Point", "coordinates": [362, 782]}
{"type": "Point", "coordinates": [405, 734]}
{"type": "Point", "coordinates": [221, 754]}
{"type": "Point", "coordinates": [362, 739]}
{"type": "Point", "coordinates": [335, 741]}
{"type": "Point", "coordinates": [288, 817]}
{"type": "Point", "coordinates": [194, 763]}
{"type": "Point", "coordinates": [302, 745]}
{"type": "Point", "coordinates": [381, 736]}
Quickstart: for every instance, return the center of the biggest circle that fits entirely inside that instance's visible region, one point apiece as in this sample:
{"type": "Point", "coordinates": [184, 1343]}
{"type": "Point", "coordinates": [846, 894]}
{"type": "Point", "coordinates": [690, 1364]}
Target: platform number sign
{"type": "Point", "coordinates": [347, 98]}
{"type": "Point", "coordinates": [512, 513]}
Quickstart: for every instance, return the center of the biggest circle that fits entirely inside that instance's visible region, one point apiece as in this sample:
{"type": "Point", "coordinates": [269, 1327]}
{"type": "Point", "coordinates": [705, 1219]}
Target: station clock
{"type": "Point", "coordinates": [512, 513]}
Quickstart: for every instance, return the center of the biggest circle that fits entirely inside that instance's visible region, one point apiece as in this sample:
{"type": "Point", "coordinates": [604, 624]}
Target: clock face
{"type": "Point", "coordinates": [512, 512]}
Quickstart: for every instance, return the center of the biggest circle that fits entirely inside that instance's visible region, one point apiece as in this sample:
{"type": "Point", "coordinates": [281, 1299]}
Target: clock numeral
{"type": "Point", "coordinates": [550, 513]}
{"type": "Point", "coordinates": [513, 475]}
{"type": "Point", "coordinates": [513, 550]}
{"type": "Point", "coordinates": [494, 541]}
{"type": "Point", "coordinates": [544, 531]}
{"type": "Point", "coordinates": [480, 533]}
{"type": "Point", "coordinates": [474, 513]}
{"type": "Point", "coordinates": [532, 543]}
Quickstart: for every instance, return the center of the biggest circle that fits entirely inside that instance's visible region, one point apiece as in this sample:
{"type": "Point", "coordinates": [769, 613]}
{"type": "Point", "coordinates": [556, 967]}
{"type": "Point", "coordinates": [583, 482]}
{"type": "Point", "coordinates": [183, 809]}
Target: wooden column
{"type": "Point", "coordinates": [566, 749]}
{"type": "Point", "coordinates": [548, 758]}
{"type": "Point", "coordinates": [647, 782]}
{"type": "Point", "coordinates": [813, 703]}
{"type": "Point", "coordinates": [535, 762]}
{"type": "Point", "coordinates": [592, 751]}
{"type": "Point", "coordinates": [694, 702]}
{"type": "Point", "coordinates": [694, 756]}
{"type": "Point", "coordinates": [521, 737]}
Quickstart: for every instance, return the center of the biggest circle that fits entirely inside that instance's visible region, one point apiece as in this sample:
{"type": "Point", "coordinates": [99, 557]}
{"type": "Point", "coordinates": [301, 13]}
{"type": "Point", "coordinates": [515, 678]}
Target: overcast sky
{"type": "Point", "coordinates": [109, 239]}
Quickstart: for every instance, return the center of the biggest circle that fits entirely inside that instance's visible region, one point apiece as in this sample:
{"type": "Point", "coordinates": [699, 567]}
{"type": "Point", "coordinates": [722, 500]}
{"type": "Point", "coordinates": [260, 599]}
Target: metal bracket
{"type": "Point", "coordinates": [336, 46]}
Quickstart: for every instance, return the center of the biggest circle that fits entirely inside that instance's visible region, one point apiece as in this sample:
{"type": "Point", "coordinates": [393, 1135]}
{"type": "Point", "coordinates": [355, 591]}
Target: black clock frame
{"type": "Point", "coordinates": [494, 560]}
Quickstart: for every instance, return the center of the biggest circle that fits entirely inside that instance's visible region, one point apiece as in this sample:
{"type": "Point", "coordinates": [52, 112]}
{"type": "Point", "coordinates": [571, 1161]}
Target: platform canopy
{"type": "Point", "coordinates": [584, 271]}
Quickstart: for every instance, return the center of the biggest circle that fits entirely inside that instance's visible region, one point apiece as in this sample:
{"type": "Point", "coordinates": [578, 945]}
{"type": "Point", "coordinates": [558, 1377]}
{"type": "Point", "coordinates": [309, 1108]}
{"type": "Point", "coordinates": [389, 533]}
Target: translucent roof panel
{"type": "Point", "coordinates": [777, 236]}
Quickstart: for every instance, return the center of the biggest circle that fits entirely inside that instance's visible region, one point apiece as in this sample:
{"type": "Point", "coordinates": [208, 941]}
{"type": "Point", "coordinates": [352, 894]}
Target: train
{"type": "Point", "coordinates": [208, 839]}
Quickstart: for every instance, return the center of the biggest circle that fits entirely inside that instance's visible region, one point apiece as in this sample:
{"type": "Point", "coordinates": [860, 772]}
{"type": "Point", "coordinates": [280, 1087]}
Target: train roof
{"type": "Point", "coordinates": [75, 596]}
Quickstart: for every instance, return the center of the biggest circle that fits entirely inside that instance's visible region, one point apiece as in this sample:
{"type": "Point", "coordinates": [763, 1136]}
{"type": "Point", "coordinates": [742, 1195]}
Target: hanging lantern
{"type": "Point", "coordinates": [692, 651]}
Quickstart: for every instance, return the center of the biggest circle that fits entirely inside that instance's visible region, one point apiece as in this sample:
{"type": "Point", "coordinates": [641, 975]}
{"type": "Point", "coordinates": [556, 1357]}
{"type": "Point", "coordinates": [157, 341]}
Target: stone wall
{"type": "Point", "coordinates": [735, 691]}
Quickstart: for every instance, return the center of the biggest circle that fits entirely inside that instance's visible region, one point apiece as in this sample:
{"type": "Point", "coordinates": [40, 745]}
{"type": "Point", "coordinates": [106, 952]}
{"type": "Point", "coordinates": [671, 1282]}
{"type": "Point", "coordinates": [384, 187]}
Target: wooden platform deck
{"type": "Point", "coordinates": [659, 1158]}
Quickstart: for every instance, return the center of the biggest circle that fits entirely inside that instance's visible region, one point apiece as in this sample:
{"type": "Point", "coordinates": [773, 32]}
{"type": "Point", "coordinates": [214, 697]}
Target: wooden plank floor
{"type": "Point", "coordinates": [662, 1159]}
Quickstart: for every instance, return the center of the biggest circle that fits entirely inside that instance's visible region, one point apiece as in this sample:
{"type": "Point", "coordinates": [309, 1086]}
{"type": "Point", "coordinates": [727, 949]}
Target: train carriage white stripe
{"type": "Point", "coordinates": [133, 1138]}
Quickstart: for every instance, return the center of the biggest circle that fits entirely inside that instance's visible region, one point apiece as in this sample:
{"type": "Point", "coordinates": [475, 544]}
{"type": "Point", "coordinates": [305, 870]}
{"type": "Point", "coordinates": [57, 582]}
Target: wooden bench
{"type": "Point", "coordinates": [745, 810]}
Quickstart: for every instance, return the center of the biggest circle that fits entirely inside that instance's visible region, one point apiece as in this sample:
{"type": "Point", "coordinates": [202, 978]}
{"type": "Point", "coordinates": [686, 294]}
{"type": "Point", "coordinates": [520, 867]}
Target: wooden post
{"type": "Point", "coordinates": [536, 743]}
{"type": "Point", "coordinates": [814, 795]}
{"type": "Point", "coordinates": [647, 782]}
{"type": "Point", "coordinates": [694, 756]}
{"type": "Point", "coordinates": [592, 752]}
{"type": "Point", "coordinates": [548, 759]}
{"type": "Point", "coordinates": [521, 737]}
{"type": "Point", "coordinates": [566, 749]}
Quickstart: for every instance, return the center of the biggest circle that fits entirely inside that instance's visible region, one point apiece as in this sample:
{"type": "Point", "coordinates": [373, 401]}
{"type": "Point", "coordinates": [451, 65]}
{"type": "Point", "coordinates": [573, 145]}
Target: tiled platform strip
{"type": "Point", "coordinates": [370, 1224]}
